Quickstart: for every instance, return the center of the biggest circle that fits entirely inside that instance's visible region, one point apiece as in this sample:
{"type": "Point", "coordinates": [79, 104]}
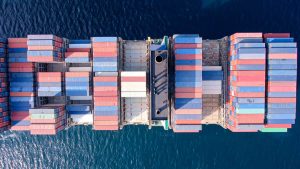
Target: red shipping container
{"type": "Point", "coordinates": [188, 67]}
{"type": "Point", "coordinates": [17, 45]}
{"type": "Point", "coordinates": [17, 40]}
{"type": "Point", "coordinates": [248, 62]}
{"type": "Point", "coordinates": [278, 126]}
{"type": "Point", "coordinates": [3, 99]}
{"type": "Point", "coordinates": [282, 55]}
{"type": "Point", "coordinates": [49, 74]}
{"type": "Point", "coordinates": [188, 95]}
{"type": "Point", "coordinates": [105, 88]}
{"type": "Point", "coordinates": [21, 65]}
{"type": "Point", "coordinates": [188, 90]}
{"type": "Point", "coordinates": [49, 79]}
{"type": "Point", "coordinates": [248, 73]}
{"type": "Point", "coordinates": [41, 59]}
{"type": "Point", "coordinates": [134, 79]}
{"type": "Point", "coordinates": [105, 103]}
{"type": "Point", "coordinates": [246, 35]}
{"type": "Point", "coordinates": [188, 111]}
{"type": "Point", "coordinates": [277, 35]}
{"type": "Point", "coordinates": [188, 122]}
{"type": "Point", "coordinates": [44, 126]}
{"type": "Point", "coordinates": [282, 83]}
{"type": "Point", "coordinates": [42, 48]}
{"type": "Point", "coordinates": [44, 121]}
{"type": "Point", "coordinates": [250, 78]}
{"type": "Point", "coordinates": [106, 118]}
{"type": "Point", "coordinates": [250, 83]}
{"type": "Point", "coordinates": [21, 69]}
{"type": "Point", "coordinates": [106, 93]}
{"type": "Point", "coordinates": [106, 127]}
{"type": "Point", "coordinates": [106, 79]}
{"type": "Point", "coordinates": [20, 117]}
{"type": "Point", "coordinates": [281, 100]}
{"type": "Point", "coordinates": [105, 54]}
{"type": "Point", "coordinates": [77, 54]}
{"type": "Point", "coordinates": [42, 132]}
{"type": "Point", "coordinates": [106, 123]}
{"type": "Point", "coordinates": [77, 74]}
{"type": "Point", "coordinates": [106, 49]}
{"type": "Point", "coordinates": [187, 46]}
{"type": "Point", "coordinates": [282, 89]}
{"type": "Point", "coordinates": [106, 99]}
{"type": "Point", "coordinates": [104, 44]}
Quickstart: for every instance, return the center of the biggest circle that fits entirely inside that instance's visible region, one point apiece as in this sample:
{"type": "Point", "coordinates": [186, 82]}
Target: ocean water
{"type": "Point", "coordinates": [136, 146]}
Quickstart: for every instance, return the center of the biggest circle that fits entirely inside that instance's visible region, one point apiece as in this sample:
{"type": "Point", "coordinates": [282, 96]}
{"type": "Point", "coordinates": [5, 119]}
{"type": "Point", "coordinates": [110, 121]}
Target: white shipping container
{"type": "Point", "coordinates": [210, 91]}
{"type": "Point", "coordinates": [133, 74]}
{"type": "Point", "coordinates": [133, 86]}
{"type": "Point", "coordinates": [212, 83]}
{"type": "Point", "coordinates": [212, 68]}
{"type": "Point", "coordinates": [82, 118]}
{"type": "Point", "coordinates": [133, 94]}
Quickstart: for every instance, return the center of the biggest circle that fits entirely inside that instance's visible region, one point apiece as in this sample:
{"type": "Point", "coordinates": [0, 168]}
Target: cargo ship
{"type": "Point", "coordinates": [245, 82]}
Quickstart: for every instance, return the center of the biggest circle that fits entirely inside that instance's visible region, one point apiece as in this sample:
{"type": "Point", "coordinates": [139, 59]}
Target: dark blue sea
{"type": "Point", "coordinates": [136, 147]}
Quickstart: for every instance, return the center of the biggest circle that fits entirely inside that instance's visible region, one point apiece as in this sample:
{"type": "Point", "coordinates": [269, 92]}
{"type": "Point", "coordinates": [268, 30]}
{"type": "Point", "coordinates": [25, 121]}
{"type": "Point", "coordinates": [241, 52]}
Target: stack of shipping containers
{"type": "Point", "coordinates": [133, 84]}
{"type": "Point", "coordinates": [47, 120]}
{"type": "Point", "coordinates": [44, 48]}
{"type": "Point", "coordinates": [105, 68]}
{"type": "Point", "coordinates": [4, 116]}
{"type": "Point", "coordinates": [79, 91]}
{"type": "Point", "coordinates": [47, 117]}
{"type": "Point", "coordinates": [50, 83]}
{"type": "Point", "coordinates": [188, 83]}
{"type": "Point", "coordinates": [247, 58]}
{"type": "Point", "coordinates": [212, 79]}
{"type": "Point", "coordinates": [78, 83]}
{"type": "Point", "coordinates": [22, 84]}
{"type": "Point", "coordinates": [281, 82]}
{"type": "Point", "coordinates": [78, 51]}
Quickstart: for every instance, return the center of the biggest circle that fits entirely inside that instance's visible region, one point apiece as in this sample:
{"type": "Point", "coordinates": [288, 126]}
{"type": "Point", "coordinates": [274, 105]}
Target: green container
{"type": "Point", "coordinates": [250, 111]}
{"type": "Point", "coordinates": [274, 130]}
{"type": "Point", "coordinates": [43, 116]}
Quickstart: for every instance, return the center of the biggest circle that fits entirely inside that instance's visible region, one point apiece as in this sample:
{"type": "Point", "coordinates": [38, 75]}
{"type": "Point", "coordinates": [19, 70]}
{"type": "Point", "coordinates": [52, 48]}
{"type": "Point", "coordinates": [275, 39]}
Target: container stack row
{"type": "Point", "coordinates": [281, 82]}
{"type": "Point", "coordinates": [4, 115]}
{"type": "Point", "coordinates": [105, 68]}
{"type": "Point", "coordinates": [212, 79]}
{"type": "Point", "coordinates": [47, 120]}
{"type": "Point", "coordinates": [78, 83]}
{"type": "Point", "coordinates": [78, 51]}
{"type": "Point", "coordinates": [188, 83]}
{"type": "Point", "coordinates": [106, 101]}
{"type": "Point", "coordinates": [22, 84]}
{"type": "Point", "coordinates": [49, 84]}
{"type": "Point", "coordinates": [45, 48]}
{"type": "Point", "coordinates": [247, 58]}
{"type": "Point", "coordinates": [105, 54]}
